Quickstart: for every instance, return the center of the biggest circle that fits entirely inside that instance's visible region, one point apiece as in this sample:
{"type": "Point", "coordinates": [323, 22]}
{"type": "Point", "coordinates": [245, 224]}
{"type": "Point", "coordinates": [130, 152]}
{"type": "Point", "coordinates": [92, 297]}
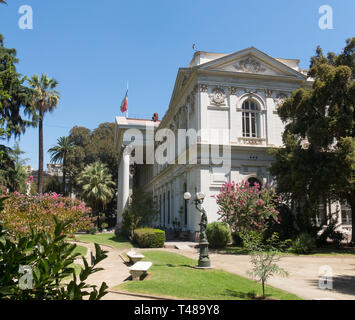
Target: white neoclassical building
{"type": "Point", "coordinates": [227, 104]}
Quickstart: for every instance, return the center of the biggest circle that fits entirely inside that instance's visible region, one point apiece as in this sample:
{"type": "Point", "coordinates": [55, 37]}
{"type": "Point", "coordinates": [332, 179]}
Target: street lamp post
{"type": "Point", "coordinates": [204, 260]}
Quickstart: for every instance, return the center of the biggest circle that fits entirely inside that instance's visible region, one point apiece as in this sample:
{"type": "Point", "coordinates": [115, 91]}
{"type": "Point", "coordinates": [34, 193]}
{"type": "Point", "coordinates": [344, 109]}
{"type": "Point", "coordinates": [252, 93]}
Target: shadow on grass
{"type": "Point", "coordinates": [145, 276]}
{"type": "Point", "coordinates": [177, 265]}
{"type": "Point", "coordinates": [119, 239]}
{"type": "Point", "coordinates": [245, 295]}
{"type": "Point", "coordinates": [342, 284]}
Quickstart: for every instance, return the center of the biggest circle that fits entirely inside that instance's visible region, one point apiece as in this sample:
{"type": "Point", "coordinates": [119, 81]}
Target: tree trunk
{"type": "Point", "coordinates": [64, 175]}
{"type": "Point", "coordinates": [352, 205]}
{"type": "Point", "coordinates": [40, 160]}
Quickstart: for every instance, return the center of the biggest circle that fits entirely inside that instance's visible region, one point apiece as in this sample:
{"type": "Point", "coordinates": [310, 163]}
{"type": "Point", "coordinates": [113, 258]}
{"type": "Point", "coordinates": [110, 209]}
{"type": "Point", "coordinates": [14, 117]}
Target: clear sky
{"type": "Point", "coordinates": [92, 47]}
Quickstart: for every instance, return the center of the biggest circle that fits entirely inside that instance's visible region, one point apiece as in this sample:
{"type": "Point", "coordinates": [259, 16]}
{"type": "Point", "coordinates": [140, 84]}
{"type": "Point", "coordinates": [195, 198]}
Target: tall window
{"type": "Point", "coordinates": [168, 207]}
{"type": "Point", "coordinates": [164, 209]}
{"type": "Point", "coordinates": [346, 214]}
{"type": "Point", "coordinates": [321, 215]}
{"type": "Point", "coordinates": [250, 119]}
{"type": "Point", "coordinates": [160, 211]}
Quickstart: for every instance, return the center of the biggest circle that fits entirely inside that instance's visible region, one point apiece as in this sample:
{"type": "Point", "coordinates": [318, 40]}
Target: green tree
{"type": "Point", "coordinates": [15, 98]}
{"type": "Point", "coordinates": [51, 184]}
{"type": "Point", "coordinates": [101, 147]}
{"type": "Point", "coordinates": [13, 171]}
{"type": "Point", "coordinates": [15, 104]}
{"type": "Point", "coordinates": [92, 146]}
{"type": "Point", "coordinates": [45, 99]}
{"type": "Point", "coordinates": [76, 160]}
{"type": "Point", "coordinates": [97, 187]}
{"type": "Point", "coordinates": [20, 173]}
{"type": "Point", "coordinates": [59, 154]}
{"type": "Point", "coordinates": [264, 256]}
{"type": "Point", "coordinates": [80, 136]}
{"type": "Point", "coordinates": [317, 162]}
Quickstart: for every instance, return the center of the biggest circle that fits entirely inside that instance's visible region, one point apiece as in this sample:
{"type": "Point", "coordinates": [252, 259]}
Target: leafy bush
{"type": "Point", "coordinates": [286, 228]}
{"type": "Point", "coordinates": [127, 225]}
{"type": "Point", "coordinates": [330, 233]}
{"type": "Point", "coordinates": [303, 244]}
{"type": "Point", "coordinates": [93, 230]}
{"type": "Point", "coordinates": [218, 234]}
{"type": "Point", "coordinates": [34, 267]}
{"type": "Point", "coordinates": [22, 213]}
{"type": "Point", "coordinates": [104, 225]}
{"type": "Point", "coordinates": [247, 208]}
{"type": "Point", "coordinates": [149, 238]}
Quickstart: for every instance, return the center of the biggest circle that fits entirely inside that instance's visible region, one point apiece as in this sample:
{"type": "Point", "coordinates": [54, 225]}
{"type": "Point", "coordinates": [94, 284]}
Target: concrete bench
{"type": "Point", "coordinates": [138, 269]}
{"type": "Point", "coordinates": [134, 256]}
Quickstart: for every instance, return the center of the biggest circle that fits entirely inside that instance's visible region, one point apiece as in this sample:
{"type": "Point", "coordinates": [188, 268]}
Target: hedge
{"type": "Point", "coordinates": [218, 234]}
{"type": "Point", "coordinates": [149, 238]}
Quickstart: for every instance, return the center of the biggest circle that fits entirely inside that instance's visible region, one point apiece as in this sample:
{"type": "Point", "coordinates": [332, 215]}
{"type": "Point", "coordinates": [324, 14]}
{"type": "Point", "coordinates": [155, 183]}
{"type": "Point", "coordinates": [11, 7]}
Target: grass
{"type": "Point", "coordinates": [109, 239]}
{"type": "Point", "coordinates": [325, 251]}
{"type": "Point", "coordinates": [77, 267]}
{"type": "Point", "coordinates": [82, 250]}
{"type": "Point", "coordinates": [172, 275]}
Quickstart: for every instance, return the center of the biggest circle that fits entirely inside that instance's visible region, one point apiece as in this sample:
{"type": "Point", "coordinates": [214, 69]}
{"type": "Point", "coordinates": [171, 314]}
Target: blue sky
{"type": "Point", "coordinates": [92, 47]}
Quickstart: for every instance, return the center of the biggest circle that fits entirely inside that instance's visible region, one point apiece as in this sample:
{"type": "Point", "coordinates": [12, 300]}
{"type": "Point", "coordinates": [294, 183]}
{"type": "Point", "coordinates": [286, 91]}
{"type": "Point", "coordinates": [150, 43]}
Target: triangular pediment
{"type": "Point", "coordinates": [251, 61]}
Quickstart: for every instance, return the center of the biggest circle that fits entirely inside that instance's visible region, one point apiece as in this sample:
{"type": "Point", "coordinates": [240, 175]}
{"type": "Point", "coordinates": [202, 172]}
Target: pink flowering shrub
{"type": "Point", "coordinates": [247, 208]}
{"type": "Point", "coordinates": [23, 212]}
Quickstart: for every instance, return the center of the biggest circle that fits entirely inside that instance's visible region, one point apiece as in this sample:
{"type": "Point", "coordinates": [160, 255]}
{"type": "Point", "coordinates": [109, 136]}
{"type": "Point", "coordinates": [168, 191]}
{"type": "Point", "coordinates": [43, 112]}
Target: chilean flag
{"type": "Point", "coordinates": [124, 104]}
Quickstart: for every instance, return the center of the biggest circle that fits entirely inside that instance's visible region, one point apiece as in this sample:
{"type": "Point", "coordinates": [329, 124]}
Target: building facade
{"type": "Point", "coordinates": [221, 121]}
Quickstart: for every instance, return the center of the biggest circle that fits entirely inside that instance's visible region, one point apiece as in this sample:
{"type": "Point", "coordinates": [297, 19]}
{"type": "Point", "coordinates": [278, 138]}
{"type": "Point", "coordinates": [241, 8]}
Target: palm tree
{"type": "Point", "coordinates": [97, 186]}
{"type": "Point", "coordinates": [59, 154]}
{"type": "Point", "coordinates": [45, 99]}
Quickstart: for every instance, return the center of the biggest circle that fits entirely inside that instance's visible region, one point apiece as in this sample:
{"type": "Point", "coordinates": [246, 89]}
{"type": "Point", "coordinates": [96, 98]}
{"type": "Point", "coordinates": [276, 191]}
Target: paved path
{"type": "Point", "coordinates": [303, 271]}
{"type": "Point", "coordinates": [114, 273]}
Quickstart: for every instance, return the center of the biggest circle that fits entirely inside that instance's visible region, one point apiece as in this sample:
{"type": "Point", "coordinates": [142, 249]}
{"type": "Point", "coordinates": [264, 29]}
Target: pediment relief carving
{"type": "Point", "coordinates": [249, 65]}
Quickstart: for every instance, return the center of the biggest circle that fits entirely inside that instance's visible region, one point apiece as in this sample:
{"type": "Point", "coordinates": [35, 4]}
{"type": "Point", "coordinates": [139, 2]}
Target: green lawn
{"type": "Point", "coordinates": [172, 275]}
{"type": "Point", "coordinates": [82, 250]}
{"type": "Point", "coordinates": [326, 251]}
{"type": "Point", "coordinates": [108, 239]}
{"type": "Point", "coordinates": [77, 268]}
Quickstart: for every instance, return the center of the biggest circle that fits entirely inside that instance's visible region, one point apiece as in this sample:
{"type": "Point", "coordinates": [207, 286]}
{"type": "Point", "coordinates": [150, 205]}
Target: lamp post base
{"type": "Point", "coordinates": [204, 260]}
{"type": "Point", "coordinates": [203, 268]}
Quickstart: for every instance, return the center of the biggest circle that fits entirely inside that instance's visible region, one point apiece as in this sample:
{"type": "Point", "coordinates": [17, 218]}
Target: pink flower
{"type": "Point", "coordinates": [54, 196]}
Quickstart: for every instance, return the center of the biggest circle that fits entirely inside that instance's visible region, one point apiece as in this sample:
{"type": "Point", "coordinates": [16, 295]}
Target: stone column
{"type": "Point", "coordinates": [119, 196]}
{"type": "Point", "coordinates": [123, 186]}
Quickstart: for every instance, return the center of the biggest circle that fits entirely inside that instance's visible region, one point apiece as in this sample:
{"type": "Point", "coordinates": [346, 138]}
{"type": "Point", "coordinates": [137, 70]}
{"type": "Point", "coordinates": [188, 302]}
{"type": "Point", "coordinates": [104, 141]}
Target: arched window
{"type": "Point", "coordinates": [250, 119]}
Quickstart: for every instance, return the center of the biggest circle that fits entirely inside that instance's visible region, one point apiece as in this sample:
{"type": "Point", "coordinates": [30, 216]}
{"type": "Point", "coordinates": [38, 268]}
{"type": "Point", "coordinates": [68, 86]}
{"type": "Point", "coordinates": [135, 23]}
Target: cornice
{"type": "Point", "coordinates": [177, 95]}
{"type": "Point", "coordinates": [253, 76]}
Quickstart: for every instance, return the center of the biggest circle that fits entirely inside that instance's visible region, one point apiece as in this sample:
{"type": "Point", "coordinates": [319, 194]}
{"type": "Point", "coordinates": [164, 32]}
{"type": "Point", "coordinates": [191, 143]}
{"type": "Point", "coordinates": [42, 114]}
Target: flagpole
{"type": "Point", "coordinates": [127, 108]}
